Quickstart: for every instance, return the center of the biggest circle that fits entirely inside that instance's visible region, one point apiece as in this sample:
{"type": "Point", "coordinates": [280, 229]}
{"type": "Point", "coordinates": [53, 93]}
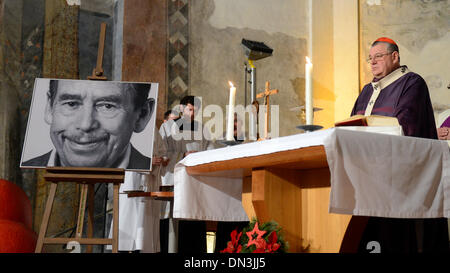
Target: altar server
{"type": "Point", "coordinates": [183, 136]}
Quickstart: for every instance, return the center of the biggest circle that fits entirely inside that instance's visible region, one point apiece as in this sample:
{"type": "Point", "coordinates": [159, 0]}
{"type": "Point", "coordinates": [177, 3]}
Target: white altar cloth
{"type": "Point", "coordinates": [388, 176]}
{"type": "Point", "coordinates": [372, 174]}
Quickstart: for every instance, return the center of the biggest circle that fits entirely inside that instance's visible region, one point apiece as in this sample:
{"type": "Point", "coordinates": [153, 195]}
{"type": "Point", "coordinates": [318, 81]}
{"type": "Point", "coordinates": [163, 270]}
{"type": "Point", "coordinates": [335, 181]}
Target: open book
{"type": "Point", "coordinates": [373, 120]}
{"type": "Point", "coordinates": [372, 124]}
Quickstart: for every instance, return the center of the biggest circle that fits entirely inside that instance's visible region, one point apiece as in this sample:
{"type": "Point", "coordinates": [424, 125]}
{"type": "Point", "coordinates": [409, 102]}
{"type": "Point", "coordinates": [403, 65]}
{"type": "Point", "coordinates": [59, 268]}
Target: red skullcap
{"type": "Point", "coordinates": [385, 39]}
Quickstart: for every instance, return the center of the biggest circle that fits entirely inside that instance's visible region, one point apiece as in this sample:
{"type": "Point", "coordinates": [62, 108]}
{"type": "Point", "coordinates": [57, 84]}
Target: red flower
{"type": "Point", "coordinates": [263, 247]}
{"type": "Point", "coordinates": [267, 244]}
{"type": "Point", "coordinates": [250, 234]}
{"type": "Point", "coordinates": [260, 243]}
{"type": "Point", "coordinates": [273, 245]}
{"type": "Point", "coordinates": [233, 245]}
{"type": "Point", "coordinates": [271, 248]}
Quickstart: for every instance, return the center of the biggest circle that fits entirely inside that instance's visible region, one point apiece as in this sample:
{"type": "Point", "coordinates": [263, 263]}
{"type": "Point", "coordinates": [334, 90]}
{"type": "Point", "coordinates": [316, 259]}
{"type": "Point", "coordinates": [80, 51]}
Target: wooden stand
{"type": "Point", "coordinates": [97, 73]}
{"type": "Point", "coordinates": [87, 177]}
{"type": "Point", "coordinates": [157, 195]}
{"type": "Point", "coordinates": [165, 194]}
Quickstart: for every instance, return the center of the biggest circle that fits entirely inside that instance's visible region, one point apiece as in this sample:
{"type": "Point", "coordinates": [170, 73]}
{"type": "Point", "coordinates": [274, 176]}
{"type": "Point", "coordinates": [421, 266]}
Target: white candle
{"type": "Point", "coordinates": [252, 122]}
{"type": "Point", "coordinates": [308, 92]}
{"type": "Point", "coordinates": [230, 115]}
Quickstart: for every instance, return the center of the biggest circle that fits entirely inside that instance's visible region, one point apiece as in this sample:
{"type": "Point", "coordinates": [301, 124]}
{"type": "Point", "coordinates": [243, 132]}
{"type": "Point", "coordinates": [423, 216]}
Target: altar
{"type": "Point", "coordinates": [312, 184]}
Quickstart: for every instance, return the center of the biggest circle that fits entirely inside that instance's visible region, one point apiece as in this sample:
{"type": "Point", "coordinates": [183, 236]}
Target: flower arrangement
{"type": "Point", "coordinates": [255, 238]}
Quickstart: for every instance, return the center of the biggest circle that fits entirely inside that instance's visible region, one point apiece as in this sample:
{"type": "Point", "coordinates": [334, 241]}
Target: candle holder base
{"type": "Point", "coordinates": [309, 128]}
{"type": "Point", "coordinates": [230, 142]}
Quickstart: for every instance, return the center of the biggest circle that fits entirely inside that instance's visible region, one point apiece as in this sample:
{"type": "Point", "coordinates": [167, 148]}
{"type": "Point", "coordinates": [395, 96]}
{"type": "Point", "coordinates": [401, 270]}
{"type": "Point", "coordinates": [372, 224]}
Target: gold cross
{"type": "Point", "coordinates": [266, 94]}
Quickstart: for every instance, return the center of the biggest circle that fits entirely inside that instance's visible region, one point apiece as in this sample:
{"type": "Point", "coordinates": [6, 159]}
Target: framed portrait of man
{"type": "Point", "coordinates": [82, 123]}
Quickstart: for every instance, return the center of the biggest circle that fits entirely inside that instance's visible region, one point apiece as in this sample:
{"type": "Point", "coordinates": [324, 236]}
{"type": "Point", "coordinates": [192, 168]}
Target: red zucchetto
{"type": "Point", "coordinates": [385, 39]}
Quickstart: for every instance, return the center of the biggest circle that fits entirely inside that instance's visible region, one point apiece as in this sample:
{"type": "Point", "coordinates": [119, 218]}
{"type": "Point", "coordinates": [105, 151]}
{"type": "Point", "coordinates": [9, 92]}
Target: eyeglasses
{"type": "Point", "coordinates": [377, 57]}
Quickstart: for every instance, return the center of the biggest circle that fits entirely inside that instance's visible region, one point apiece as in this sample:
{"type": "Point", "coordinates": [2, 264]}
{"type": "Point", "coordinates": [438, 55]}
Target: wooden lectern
{"type": "Point", "coordinates": [293, 188]}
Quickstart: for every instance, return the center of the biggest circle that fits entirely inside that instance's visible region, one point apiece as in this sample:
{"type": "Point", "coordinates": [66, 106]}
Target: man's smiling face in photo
{"type": "Point", "coordinates": [91, 125]}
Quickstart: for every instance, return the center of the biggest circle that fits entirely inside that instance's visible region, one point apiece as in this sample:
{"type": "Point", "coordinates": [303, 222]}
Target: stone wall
{"type": "Point", "coordinates": [422, 31]}
{"type": "Point", "coordinates": [216, 55]}
{"type": "Point", "coordinates": [22, 59]}
{"type": "Point", "coordinates": [20, 62]}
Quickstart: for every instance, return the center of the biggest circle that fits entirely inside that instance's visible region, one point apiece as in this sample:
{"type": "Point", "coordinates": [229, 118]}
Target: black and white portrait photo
{"type": "Point", "coordinates": [82, 123]}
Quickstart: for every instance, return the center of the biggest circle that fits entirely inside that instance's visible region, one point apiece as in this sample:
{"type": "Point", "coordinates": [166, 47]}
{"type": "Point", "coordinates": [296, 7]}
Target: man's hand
{"type": "Point", "coordinates": [443, 133]}
{"type": "Point", "coordinates": [165, 161]}
{"type": "Point", "coordinates": [157, 160]}
{"type": "Point", "coordinates": [160, 160]}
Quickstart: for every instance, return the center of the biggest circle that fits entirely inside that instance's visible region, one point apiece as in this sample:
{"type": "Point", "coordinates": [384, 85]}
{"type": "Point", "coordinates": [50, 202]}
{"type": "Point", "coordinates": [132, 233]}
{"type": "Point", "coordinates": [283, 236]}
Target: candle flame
{"type": "Point", "coordinates": [308, 60]}
{"type": "Point", "coordinates": [231, 84]}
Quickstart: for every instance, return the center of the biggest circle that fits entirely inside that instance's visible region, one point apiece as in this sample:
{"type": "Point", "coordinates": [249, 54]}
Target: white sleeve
{"type": "Point", "coordinates": [160, 145]}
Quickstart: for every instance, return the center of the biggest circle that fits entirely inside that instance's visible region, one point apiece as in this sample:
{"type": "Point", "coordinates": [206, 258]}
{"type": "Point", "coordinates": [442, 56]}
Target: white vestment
{"type": "Point", "coordinates": [139, 216]}
{"type": "Point", "coordinates": [179, 142]}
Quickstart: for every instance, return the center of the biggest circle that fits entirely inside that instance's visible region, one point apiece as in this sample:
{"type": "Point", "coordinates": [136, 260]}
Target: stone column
{"type": "Point", "coordinates": [144, 46]}
{"type": "Point", "coordinates": [10, 72]}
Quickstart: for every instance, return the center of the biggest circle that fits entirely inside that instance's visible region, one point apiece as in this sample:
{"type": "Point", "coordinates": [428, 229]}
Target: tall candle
{"type": "Point", "coordinates": [252, 118]}
{"type": "Point", "coordinates": [230, 115]}
{"type": "Point", "coordinates": [308, 92]}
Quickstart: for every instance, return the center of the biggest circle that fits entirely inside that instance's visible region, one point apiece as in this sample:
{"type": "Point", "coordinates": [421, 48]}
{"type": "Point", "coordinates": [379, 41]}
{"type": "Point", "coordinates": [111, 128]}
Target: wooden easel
{"type": "Point", "coordinates": [87, 178]}
{"type": "Point", "coordinates": [97, 73]}
{"type": "Point", "coordinates": [266, 94]}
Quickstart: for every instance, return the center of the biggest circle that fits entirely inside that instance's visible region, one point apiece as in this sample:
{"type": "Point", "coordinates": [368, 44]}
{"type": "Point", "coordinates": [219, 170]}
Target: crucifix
{"type": "Point", "coordinates": [266, 95]}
